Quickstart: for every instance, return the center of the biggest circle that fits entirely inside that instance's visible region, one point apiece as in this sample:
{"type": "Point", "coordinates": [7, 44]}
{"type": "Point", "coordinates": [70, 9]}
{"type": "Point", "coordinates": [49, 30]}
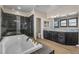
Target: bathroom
{"type": "Point", "coordinates": [31, 24]}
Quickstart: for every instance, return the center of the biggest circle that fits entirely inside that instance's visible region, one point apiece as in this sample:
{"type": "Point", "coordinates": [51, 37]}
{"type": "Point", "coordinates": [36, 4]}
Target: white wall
{"type": "Point", "coordinates": [43, 17]}
{"type": "Point", "coordinates": [38, 25]}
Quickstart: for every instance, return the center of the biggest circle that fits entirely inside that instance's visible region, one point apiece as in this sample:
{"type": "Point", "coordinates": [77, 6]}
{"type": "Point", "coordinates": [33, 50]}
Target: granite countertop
{"type": "Point", "coordinates": [63, 30]}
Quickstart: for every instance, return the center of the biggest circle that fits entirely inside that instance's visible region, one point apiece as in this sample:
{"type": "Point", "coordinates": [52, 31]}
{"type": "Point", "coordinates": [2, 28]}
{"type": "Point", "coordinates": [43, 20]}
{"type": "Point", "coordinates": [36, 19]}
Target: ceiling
{"type": "Point", "coordinates": [48, 9]}
{"type": "Point", "coordinates": [42, 8]}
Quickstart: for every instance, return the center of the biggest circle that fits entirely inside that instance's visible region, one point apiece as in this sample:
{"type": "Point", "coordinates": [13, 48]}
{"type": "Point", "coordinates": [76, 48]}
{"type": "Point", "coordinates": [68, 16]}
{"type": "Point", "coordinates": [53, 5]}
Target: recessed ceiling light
{"type": "Point", "coordinates": [19, 7]}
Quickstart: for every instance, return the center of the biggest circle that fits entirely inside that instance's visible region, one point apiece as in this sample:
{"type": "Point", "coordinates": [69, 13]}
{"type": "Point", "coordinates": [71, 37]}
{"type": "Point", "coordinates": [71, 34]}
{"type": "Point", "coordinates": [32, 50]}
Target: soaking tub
{"type": "Point", "coordinates": [18, 44]}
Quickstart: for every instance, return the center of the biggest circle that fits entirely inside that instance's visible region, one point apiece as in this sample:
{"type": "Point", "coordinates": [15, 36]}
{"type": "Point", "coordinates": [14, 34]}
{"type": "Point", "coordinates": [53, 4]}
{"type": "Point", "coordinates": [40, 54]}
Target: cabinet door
{"type": "Point", "coordinates": [55, 36]}
{"type": "Point", "coordinates": [61, 37]}
{"type": "Point", "coordinates": [50, 35]}
{"type": "Point", "coordinates": [72, 38]}
{"type": "Point", "coordinates": [46, 34]}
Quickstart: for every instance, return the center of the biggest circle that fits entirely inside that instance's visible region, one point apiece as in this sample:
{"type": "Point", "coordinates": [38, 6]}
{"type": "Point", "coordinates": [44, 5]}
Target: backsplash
{"type": "Point", "coordinates": [62, 30]}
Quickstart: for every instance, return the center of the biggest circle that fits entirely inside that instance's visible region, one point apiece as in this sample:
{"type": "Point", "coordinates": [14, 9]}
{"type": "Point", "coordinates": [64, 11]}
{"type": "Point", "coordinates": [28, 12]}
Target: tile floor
{"type": "Point", "coordinates": [59, 48]}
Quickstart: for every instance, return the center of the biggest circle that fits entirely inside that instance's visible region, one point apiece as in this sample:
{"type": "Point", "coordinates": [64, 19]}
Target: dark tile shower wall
{"type": "Point", "coordinates": [27, 26]}
{"type": "Point", "coordinates": [31, 25]}
{"type": "Point", "coordinates": [8, 24]}
{"type": "Point", "coordinates": [0, 22]}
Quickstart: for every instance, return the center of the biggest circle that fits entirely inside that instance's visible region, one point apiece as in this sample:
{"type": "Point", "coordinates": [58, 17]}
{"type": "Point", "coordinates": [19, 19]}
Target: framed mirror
{"type": "Point", "coordinates": [56, 24]}
{"type": "Point", "coordinates": [73, 22]}
{"type": "Point", "coordinates": [63, 23]}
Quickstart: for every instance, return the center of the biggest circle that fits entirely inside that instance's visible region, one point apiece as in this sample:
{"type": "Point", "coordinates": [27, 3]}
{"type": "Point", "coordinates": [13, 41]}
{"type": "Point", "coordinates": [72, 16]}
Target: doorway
{"type": "Point", "coordinates": [38, 27]}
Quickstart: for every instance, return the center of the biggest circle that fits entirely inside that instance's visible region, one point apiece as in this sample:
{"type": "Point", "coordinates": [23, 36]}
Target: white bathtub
{"type": "Point", "coordinates": [18, 44]}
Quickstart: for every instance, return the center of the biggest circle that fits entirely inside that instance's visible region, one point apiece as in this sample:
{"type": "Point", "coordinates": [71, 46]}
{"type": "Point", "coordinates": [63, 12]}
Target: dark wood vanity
{"type": "Point", "coordinates": [68, 38]}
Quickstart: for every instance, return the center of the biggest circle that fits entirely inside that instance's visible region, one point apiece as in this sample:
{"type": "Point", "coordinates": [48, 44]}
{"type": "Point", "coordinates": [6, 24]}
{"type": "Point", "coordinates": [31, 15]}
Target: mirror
{"type": "Point", "coordinates": [73, 22]}
{"type": "Point", "coordinates": [63, 23]}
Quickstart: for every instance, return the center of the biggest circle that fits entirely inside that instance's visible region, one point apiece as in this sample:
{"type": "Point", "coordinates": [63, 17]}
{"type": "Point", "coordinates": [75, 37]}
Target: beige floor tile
{"type": "Point", "coordinates": [60, 48]}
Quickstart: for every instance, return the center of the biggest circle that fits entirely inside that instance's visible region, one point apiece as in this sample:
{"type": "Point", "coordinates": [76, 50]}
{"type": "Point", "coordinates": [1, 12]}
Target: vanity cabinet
{"type": "Point", "coordinates": [46, 35]}
{"type": "Point", "coordinates": [71, 38]}
{"type": "Point", "coordinates": [55, 36]}
{"type": "Point", "coordinates": [68, 38]}
{"type": "Point", "coordinates": [61, 37]}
